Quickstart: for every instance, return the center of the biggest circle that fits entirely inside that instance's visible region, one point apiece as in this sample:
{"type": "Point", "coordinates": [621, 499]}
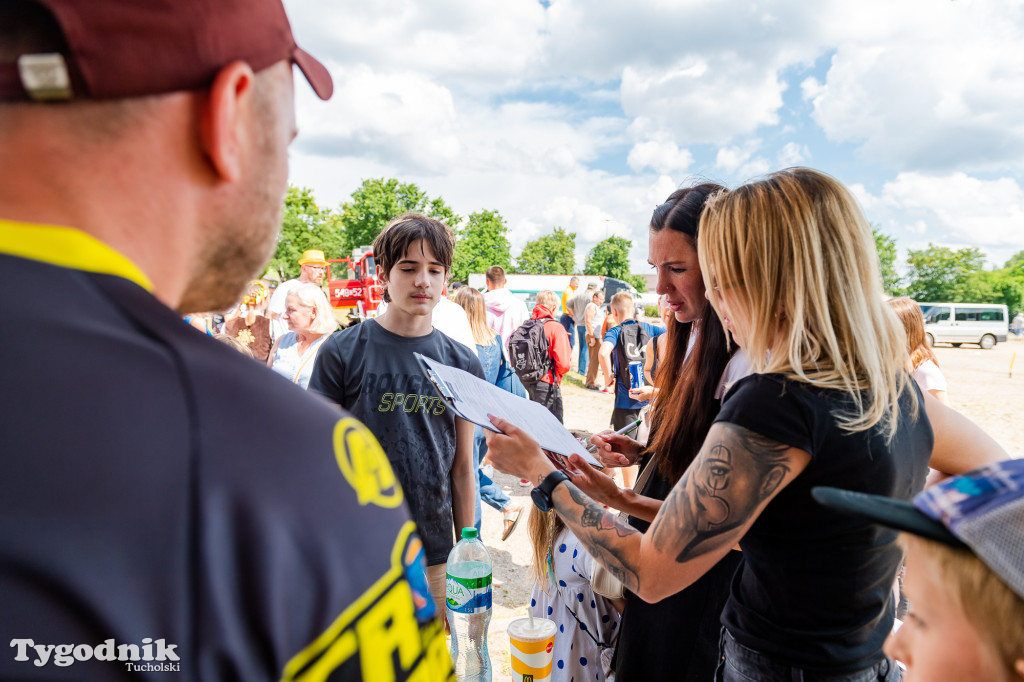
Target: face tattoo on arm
{"type": "Point", "coordinates": [603, 531]}
{"type": "Point", "coordinates": [735, 473]}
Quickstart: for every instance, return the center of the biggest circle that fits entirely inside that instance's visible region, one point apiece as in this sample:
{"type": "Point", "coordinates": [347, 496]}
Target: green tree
{"type": "Point", "coordinates": [1016, 263]}
{"type": "Point", "coordinates": [305, 226]}
{"type": "Point", "coordinates": [610, 258]}
{"type": "Point", "coordinates": [886, 247]}
{"type": "Point", "coordinates": [939, 273]}
{"type": "Point", "coordinates": [481, 244]}
{"type": "Point", "coordinates": [378, 200]}
{"type": "Point", "coordinates": [552, 254]}
{"type": "Point", "coordinates": [639, 282]}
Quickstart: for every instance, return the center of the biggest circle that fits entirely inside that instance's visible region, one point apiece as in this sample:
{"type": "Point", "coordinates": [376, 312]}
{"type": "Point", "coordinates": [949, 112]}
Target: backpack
{"type": "Point", "coordinates": [528, 351]}
{"type": "Point", "coordinates": [631, 347]}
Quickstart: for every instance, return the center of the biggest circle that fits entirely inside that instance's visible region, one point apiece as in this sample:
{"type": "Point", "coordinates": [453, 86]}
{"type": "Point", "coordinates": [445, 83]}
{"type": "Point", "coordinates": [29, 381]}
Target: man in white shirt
{"type": "Point", "coordinates": [505, 310]}
{"type": "Point", "coordinates": [313, 269]}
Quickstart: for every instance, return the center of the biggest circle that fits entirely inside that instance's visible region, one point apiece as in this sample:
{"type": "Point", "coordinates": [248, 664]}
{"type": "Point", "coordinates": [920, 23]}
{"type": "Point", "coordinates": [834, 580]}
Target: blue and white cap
{"type": "Point", "coordinates": [981, 511]}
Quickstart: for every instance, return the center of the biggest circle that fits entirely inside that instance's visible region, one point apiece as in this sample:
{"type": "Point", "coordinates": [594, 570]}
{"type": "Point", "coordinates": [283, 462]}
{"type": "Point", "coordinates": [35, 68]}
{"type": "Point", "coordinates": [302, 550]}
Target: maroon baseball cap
{"type": "Point", "coordinates": [128, 48]}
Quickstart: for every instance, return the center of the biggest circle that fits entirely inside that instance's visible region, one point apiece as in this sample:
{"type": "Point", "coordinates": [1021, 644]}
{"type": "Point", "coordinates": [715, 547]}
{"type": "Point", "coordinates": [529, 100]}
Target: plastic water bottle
{"type": "Point", "coordinates": [468, 597]}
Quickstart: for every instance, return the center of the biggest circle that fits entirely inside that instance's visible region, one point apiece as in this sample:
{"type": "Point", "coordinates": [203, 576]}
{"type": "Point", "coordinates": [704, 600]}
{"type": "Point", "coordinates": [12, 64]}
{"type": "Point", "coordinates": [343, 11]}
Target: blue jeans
{"type": "Point", "coordinates": [584, 348]}
{"type": "Point", "coordinates": [570, 328]}
{"type": "Point", "coordinates": [740, 664]}
{"type": "Point", "coordinates": [487, 490]}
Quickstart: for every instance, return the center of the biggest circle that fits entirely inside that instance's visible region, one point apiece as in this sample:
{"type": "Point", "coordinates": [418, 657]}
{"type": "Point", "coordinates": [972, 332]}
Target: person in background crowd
{"type": "Point", "coordinates": [491, 351]}
{"type": "Point", "coordinates": [234, 343]}
{"type": "Point", "coordinates": [963, 540]}
{"type": "Point", "coordinates": [593, 320]}
{"type": "Point", "coordinates": [830, 401]}
{"type": "Point", "coordinates": [567, 321]}
{"type": "Point", "coordinates": [626, 409]}
{"type": "Point", "coordinates": [924, 365]}
{"type": "Point", "coordinates": [505, 310]}
{"type": "Point", "coordinates": [547, 391]}
{"type": "Point", "coordinates": [310, 323]}
{"type": "Point", "coordinates": [144, 496]}
{"type": "Point", "coordinates": [1018, 324]}
{"type": "Point", "coordinates": [578, 305]}
{"type": "Point", "coordinates": [312, 270]}
{"type": "Point", "coordinates": [252, 328]}
{"type": "Point", "coordinates": [371, 369]}
{"type": "Point", "coordinates": [450, 318]}
{"type": "Point", "coordinates": [200, 322]}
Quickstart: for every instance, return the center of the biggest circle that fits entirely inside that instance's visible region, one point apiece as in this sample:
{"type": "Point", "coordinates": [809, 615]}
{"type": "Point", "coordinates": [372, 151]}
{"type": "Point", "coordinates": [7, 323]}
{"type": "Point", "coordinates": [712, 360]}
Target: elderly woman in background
{"type": "Point", "coordinates": [924, 366]}
{"type": "Point", "coordinates": [310, 321]}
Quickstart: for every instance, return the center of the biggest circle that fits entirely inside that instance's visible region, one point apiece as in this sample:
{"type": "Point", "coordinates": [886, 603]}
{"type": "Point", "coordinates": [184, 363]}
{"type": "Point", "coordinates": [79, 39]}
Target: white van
{"type": "Point", "coordinates": [956, 323]}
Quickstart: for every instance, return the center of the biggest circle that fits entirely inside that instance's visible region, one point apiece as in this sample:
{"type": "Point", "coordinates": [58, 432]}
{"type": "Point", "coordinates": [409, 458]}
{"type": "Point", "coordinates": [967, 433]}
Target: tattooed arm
{"type": "Point", "coordinates": [735, 475]}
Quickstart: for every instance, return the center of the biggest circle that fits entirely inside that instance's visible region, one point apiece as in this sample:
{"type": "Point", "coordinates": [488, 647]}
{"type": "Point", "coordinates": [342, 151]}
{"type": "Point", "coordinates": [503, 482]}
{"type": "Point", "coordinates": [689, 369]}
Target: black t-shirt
{"type": "Point", "coordinates": [159, 485]}
{"type": "Point", "coordinates": [372, 373]}
{"type": "Point", "coordinates": [687, 623]}
{"type": "Point", "coordinates": [815, 586]}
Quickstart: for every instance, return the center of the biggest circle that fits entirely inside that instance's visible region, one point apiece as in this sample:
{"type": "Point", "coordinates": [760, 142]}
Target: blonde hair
{"type": "Point", "coordinates": [909, 313]}
{"type": "Point", "coordinates": [543, 531]}
{"type": "Point", "coordinates": [799, 259]}
{"type": "Point", "coordinates": [472, 301]}
{"type": "Point", "coordinates": [313, 297]}
{"type": "Point", "coordinates": [234, 343]}
{"type": "Point", "coordinates": [548, 298]}
{"type": "Point", "coordinates": [991, 607]}
{"type": "Point", "coordinates": [622, 304]}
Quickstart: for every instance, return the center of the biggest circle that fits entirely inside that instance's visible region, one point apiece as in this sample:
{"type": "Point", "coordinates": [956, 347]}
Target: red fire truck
{"type": "Point", "coordinates": [353, 284]}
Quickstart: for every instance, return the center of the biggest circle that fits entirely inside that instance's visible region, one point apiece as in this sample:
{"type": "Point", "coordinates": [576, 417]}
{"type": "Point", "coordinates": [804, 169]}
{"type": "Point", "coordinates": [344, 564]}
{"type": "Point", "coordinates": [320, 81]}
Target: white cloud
{"type": "Point", "coordinates": [935, 86]}
{"type": "Point", "coordinates": [793, 154]}
{"type": "Point", "coordinates": [740, 162]}
{"type": "Point", "coordinates": [663, 156]}
{"type": "Point", "coordinates": [962, 209]}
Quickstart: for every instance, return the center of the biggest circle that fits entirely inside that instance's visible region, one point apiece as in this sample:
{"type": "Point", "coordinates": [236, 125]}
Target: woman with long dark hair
{"type": "Point", "coordinates": [689, 376]}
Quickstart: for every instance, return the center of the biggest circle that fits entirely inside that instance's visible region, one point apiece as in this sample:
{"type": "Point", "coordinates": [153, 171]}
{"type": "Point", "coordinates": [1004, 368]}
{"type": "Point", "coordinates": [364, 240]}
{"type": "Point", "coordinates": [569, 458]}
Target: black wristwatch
{"type": "Point", "coordinates": [542, 494]}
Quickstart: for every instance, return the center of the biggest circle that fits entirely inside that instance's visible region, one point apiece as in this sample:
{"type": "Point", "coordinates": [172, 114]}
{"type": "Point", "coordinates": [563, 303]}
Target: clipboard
{"type": "Point", "coordinates": [473, 399]}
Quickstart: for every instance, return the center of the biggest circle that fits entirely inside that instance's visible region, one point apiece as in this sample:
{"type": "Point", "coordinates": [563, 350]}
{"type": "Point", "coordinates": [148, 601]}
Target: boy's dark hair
{"type": "Point", "coordinates": [394, 241]}
{"type": "Point", "coordinates": [495, 274]}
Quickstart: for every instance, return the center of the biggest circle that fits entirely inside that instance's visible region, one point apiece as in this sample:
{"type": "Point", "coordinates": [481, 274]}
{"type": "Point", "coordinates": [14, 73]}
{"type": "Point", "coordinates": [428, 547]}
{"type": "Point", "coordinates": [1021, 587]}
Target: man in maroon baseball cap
{"type": "Point", "coordinates": [152, 517]}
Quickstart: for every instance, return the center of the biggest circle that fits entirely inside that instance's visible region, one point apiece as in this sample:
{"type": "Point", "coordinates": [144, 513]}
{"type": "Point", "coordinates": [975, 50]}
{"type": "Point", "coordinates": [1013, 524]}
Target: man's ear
{"type": "Point", "coordinates": [223, 122]}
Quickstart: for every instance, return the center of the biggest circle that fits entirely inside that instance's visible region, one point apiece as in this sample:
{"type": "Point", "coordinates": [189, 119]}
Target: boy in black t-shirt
{"type": "Point", "coordinates": [369, 369]}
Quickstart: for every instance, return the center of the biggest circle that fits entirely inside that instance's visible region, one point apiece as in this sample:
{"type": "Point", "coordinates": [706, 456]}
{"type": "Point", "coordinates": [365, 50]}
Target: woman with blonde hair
{"type": "Point", "coordinates": [923, 363]}
{"type": "Point", "coordinates": [310, 321]}
{"type": "Point", "coordinates": [490, 350]}
{"type": "Point", "coordinates": [790, 267]}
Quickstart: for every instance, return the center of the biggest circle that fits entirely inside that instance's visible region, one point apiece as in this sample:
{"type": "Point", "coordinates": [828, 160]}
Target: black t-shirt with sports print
{"type": "Point", "coordinates": [372, 373]}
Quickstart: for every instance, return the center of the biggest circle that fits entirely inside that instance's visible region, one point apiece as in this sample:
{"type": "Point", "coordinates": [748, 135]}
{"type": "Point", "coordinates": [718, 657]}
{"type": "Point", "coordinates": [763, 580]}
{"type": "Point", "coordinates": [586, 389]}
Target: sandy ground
{"type": "Point", "coordinates": [980, 386]}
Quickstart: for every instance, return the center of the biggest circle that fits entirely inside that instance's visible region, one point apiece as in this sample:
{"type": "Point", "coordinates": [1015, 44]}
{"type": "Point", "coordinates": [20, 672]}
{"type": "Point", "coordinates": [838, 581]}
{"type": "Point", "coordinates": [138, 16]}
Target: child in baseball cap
{"type": "Point", "coordinates": [964, 541]}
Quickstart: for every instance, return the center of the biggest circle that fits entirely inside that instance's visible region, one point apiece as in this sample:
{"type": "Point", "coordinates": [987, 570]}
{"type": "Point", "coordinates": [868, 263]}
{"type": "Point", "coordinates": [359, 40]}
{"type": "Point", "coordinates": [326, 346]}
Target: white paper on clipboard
{"type": "Point", "coordinates": [473, 399]}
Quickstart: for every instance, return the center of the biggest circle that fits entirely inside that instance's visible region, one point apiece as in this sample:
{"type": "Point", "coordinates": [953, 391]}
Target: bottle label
{"type": "Point", "coordinates": [468, 595]}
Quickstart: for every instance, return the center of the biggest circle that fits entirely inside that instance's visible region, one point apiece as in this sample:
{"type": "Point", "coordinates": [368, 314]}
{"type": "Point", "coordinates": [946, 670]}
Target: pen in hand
{"type": "Point", "coordinates": [621, 432]}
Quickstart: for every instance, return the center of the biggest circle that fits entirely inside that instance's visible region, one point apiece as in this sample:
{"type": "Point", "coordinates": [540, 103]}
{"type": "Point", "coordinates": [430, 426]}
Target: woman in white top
{"type": "Point", "coordinates": [924, 364]}
{"type": "Point", "coordinates": [310, 321]}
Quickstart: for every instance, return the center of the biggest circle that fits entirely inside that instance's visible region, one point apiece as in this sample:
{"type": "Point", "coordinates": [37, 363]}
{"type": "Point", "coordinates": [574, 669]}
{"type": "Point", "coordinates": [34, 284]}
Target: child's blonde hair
{"type": "Point", "coordinates": [543, 527]}
{"type": "Point", "coordinates": [548, 298]}
{"type": "Point", "coordinates": [991, 607]}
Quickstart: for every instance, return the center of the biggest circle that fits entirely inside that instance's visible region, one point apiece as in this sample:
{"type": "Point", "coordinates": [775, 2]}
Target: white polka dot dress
{"type": "Point", "coordinates": [587, 623]}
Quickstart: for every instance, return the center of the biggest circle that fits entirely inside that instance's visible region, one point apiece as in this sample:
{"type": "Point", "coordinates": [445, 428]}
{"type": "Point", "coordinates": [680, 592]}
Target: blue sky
{"type": "Point", "coordinates": [586, 115]}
